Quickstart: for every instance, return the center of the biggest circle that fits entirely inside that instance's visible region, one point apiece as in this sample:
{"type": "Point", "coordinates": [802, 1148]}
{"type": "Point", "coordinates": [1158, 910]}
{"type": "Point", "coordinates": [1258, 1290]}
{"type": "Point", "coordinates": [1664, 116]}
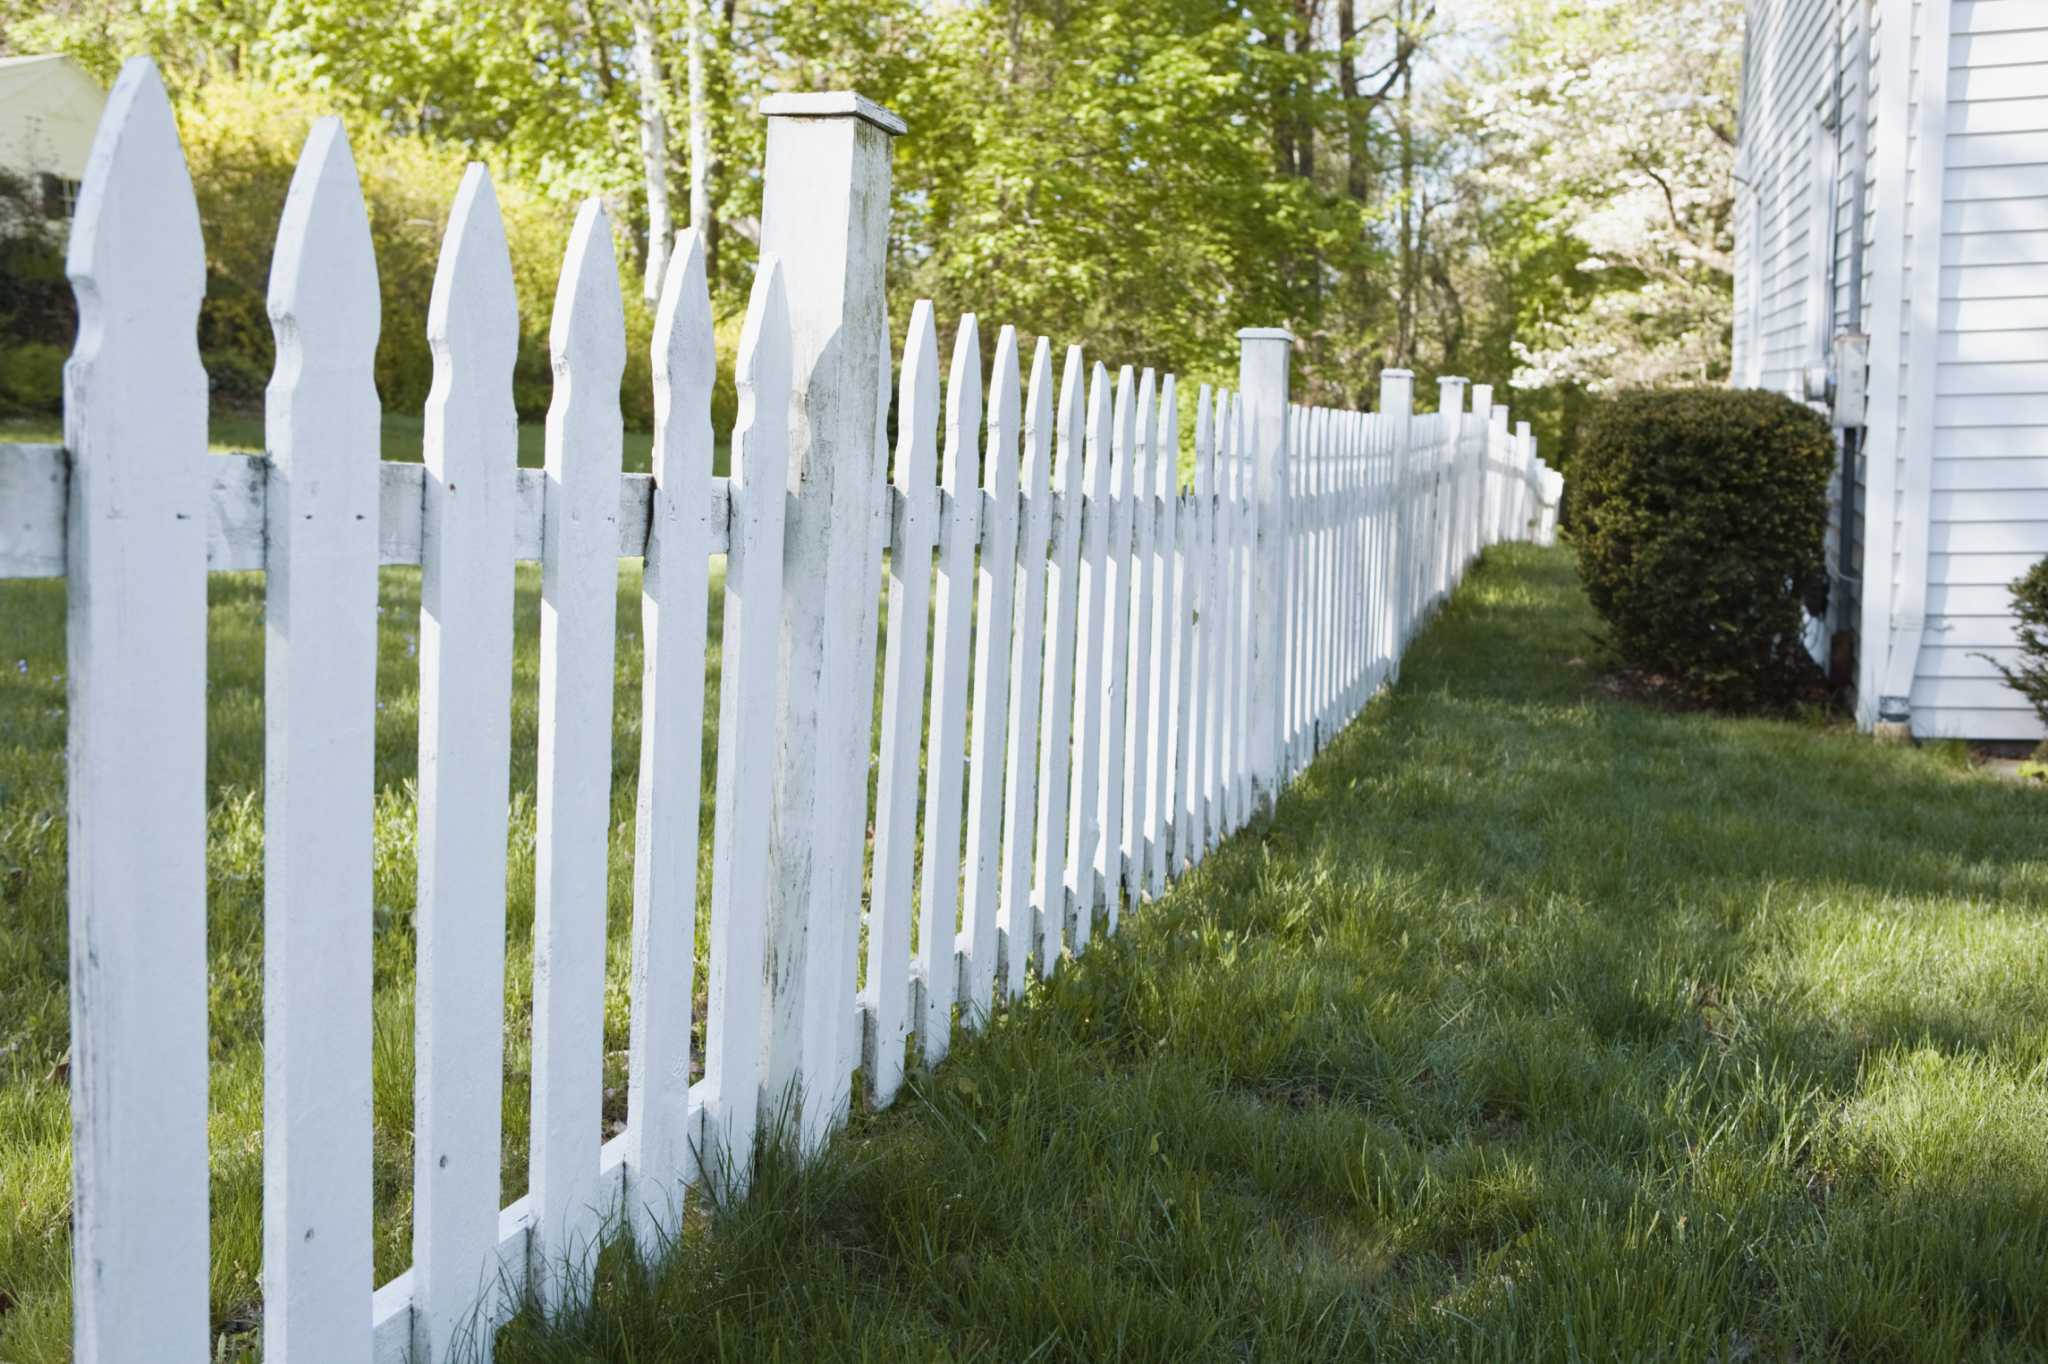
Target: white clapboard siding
{"type": "Point", "coordinates": [1053, 858]}
{"type": "Point", "coordinates": [1091, 672]}
{"type": "Point", "coordinates": [953, 600]}
{"type": "Point", "coordinates": [1116, 721]}
{"type": "Point", "coordinates": [1138, 707]}
{"type": "Point", "coordinates": [674, 586]}
{"type": "Point", "coordinates": [1028, 654]}
{"type": "Point", "coordinates": [913, 534]}
{"type": "Point", "coordinates": [465, 701]}
{"type": "Point", "coordinates": [573, 795]}
{"type": "Point", "coordinates": [135, 422]}
{"type": "Point", "coordinates": [1169, 637]}
{"type": "Point", "coordinates": [319, 707]}
{"type": "Point", "coordinates": [745, 795]}
{"type": "Point", "coordinates": [995, 591]}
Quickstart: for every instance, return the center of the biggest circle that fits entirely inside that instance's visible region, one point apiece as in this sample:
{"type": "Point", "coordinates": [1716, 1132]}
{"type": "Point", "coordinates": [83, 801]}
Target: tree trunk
{"type": "Point", "coordinates": [1355, 115]}
{"type": "Point", "coordinates": [653, 145]}
{"type": "Point", "coordinates": [1404, 340]}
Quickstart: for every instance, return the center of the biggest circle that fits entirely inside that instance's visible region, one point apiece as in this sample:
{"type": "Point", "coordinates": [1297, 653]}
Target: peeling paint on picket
{"type": "Point", "coordinates": [1121, 674]}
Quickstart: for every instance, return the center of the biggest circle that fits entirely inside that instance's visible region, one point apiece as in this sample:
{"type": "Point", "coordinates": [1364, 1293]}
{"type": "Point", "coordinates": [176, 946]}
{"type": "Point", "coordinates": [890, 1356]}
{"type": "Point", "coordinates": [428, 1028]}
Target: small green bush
{"type": "Point", "coordinates": [2030, 607]}
{"type": "Point", "coordinates": [1700, 517]}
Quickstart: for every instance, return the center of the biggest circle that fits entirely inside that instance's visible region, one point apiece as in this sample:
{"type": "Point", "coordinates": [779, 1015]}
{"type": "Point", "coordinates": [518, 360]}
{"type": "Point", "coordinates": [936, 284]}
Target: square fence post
{"type": "Point", "coordinates": [1265, 356]}
{"type": "Point", "coordinates": [825, 214]}
{"type": "Point", "coordinates": [1444, 544]}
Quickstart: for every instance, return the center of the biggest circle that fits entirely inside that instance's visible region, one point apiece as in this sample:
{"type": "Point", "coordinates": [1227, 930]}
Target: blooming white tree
{"type": "Point", "coordinates": [1618, 116]}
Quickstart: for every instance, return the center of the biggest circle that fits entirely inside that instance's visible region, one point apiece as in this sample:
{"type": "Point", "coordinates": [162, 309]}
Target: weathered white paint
{"type": "Point", "coordinates": [135, 417]}
{"type": "Point", "coordinates": [319, 708]}
{"type": "Point", "coordinates": [1055, 859]}
{"type": "Point", "coordinates": [825, 211]}
{"type": "Point", "coordinates": [465, 739]}
{"type": "Point", "coordinates": [1091, 677]}
{"type": "Point", "coordinates": [1167, 645]}
{"type": "Point", "coordinates": [573, 793]}
{"type": "Point", "coordinates": [912, 538]}
{"type": "Point", "coordinates": [1028, 652]}
{"type": "Point", "coordinates": [1265, 354]}
{"type": "Point", "coordinates": [995, 591]}
{"type": "Point", "coordinates": [1117, 572]}
{"type": "Point", "coordinates": [953, 597]}
{"type": "Point", "coordinates": [674, 587]}
{"type": "Point", "coordinates": [1143, 577]}
{"type": "Point", "coordinates": [741, 840]}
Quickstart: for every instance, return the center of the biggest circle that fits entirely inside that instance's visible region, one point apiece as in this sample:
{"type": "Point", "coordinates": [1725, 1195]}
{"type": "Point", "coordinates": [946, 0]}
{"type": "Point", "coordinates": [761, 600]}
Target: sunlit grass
{"type": "Point", "coordinates": [1536, 1025]}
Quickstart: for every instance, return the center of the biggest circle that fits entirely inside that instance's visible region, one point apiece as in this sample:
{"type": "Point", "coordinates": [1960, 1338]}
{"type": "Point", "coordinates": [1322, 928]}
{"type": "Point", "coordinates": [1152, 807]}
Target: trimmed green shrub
{"type": "Point", "coordinates": [1700, 517]}
{"type": "Point", "coordinates": [2030, 606]}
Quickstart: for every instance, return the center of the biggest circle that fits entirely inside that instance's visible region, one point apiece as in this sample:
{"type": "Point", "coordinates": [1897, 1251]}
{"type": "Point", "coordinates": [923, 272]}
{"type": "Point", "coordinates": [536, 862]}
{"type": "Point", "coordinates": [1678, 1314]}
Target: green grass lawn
{"type": "Point", "coordinates": [1536, 1025]}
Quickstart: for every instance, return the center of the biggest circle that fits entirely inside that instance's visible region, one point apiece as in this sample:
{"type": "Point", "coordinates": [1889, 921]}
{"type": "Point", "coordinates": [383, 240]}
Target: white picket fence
{"type": "Point", "coordinates": [1150, 664]}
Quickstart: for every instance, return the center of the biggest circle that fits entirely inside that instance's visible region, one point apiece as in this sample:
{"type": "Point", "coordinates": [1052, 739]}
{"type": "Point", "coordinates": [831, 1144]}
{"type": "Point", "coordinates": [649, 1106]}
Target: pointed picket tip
{"type": "Point", "coordinates": [1124, 433]}
{"type": "Point", "coordinates": [963, 402]}
{"type": "Point", "coordinates": [1038, 428]}
{"type": "Point", "coordinates": [1100, 402]}
{"type": "Point", "coordinates": [999, 472]}
{"type": "Point", "coordinates": [1167, 478]}
{"type": "Point", "coordinates": [474, 309]}
{"type": "Point", "coordinates": [683, 354]}
{"type": "Point", "coordinates": [135, 239]}
{"type": "Point", "coordinates": [1005, 375]}
{"type": "Point", "coordinates": [918, 400]}
{"type": "Point", "coordinates": [587, 335]}
{"type": "Point", "coordinates": [762, 373]}
{"type": "Point", "coordinates": [323, 301]}
{"type": "Point", "coordinates": [1073, 403]}
{"type": "Point", "coordinates": [1146, 425]}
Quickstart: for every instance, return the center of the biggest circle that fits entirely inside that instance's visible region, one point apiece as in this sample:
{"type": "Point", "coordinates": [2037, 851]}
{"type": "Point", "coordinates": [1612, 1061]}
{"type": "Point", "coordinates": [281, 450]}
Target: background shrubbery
{"type": "Point", "coordinates": [2029, 676]}
{"type": "Point", "coordinates": [1700, 517]}
{"type": "Point", "coordinates": [242, 143]}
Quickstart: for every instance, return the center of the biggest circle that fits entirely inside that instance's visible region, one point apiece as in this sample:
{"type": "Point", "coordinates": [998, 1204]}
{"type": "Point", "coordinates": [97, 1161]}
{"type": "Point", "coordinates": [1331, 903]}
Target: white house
{"type": "Point", "coordinates": [49, 107]}
{"type": "Point", "coordinates": [1943, 497]}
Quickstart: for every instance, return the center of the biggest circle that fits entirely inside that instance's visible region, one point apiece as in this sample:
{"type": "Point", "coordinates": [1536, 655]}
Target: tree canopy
{"type": "Point", "coordinates": [1535, 191]}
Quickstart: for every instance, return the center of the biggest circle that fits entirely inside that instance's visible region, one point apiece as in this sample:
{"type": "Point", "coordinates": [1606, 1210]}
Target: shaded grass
{"type": "Point", "coordinates": [34, 1020]}
{"type": "Point", "coordinates": [1535, 1025]}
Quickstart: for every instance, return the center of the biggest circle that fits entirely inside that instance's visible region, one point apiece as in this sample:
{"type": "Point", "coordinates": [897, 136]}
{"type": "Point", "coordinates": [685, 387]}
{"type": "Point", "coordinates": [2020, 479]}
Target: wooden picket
{"type": "Point", "coordinates": [573, 796]}
{"type": "Point", "coordinates": [913, 536]}
{"type": "Point", "coordinates": [995, 589]}
{"type": "Point", "coordinates": [953, 597]}
{"type": "Point", "coordinates": [674, 587]}
{"type": "Point", "coordinates": [1113, 723]}
{"type": "Point", "coordinates": [320, 682]}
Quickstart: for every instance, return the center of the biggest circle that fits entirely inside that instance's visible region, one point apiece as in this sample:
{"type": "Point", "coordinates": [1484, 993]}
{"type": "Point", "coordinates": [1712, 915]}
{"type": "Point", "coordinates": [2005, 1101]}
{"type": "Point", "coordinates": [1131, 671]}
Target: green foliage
{"type": "Point", "coordinates": [31, 379]}
{"type": "Point", "coordinates": [2029, 675]}
{"type": "Point", "coordinates": [1700, 516]}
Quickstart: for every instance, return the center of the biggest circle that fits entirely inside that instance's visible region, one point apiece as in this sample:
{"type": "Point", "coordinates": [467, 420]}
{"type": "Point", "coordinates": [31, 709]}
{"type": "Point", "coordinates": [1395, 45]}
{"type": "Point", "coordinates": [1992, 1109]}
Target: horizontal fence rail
{"type": "Point", "coordinates": [1128, 637]}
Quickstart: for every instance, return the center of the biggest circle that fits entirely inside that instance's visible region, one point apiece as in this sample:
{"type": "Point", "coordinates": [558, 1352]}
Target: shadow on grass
{"type": "Point", "coordinates": [1534, 1024]}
